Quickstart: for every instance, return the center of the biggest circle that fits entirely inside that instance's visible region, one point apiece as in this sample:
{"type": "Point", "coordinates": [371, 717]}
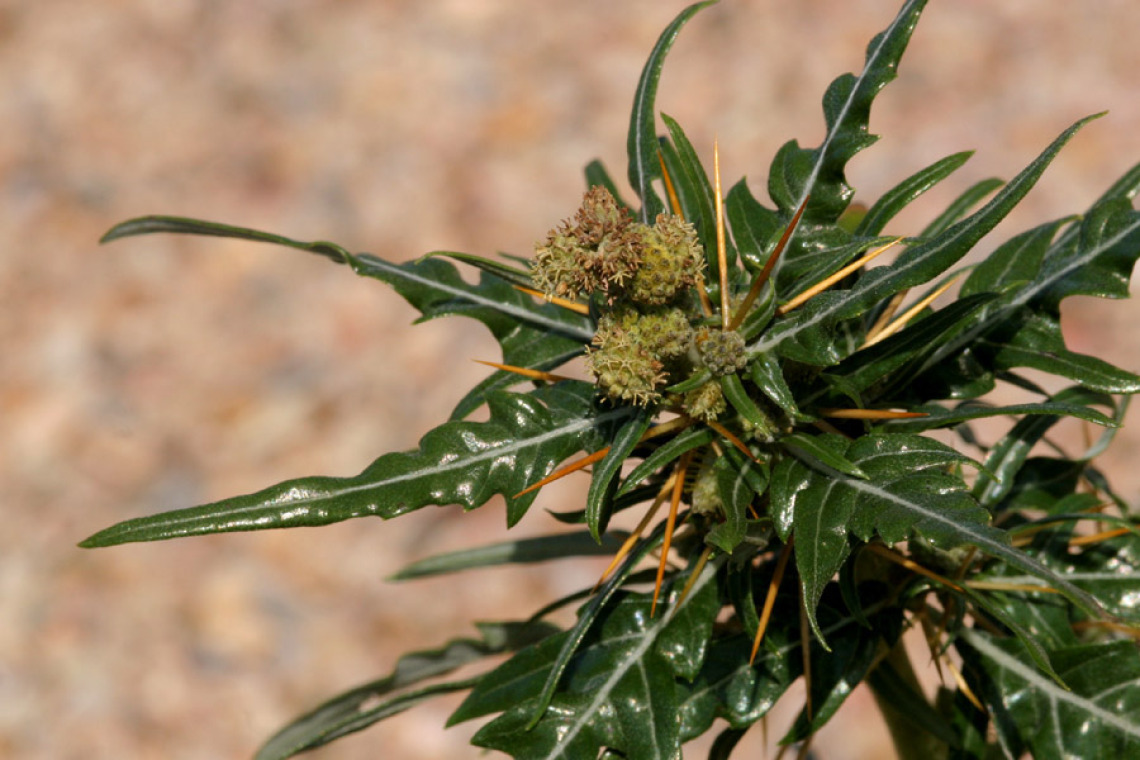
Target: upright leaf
{"type": "Point", "coordinates": [644, 166]}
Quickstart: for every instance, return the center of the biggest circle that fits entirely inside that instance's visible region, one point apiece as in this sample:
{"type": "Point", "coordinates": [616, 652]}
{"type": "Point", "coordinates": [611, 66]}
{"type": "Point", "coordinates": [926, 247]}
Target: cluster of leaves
{"type": "Point", "coordinates": [1022, 563]}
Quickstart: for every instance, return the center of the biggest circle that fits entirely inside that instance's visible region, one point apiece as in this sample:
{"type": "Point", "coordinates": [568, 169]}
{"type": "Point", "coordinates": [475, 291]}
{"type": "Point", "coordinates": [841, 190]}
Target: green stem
{"type": "Point", "coordinates": [911, 741]}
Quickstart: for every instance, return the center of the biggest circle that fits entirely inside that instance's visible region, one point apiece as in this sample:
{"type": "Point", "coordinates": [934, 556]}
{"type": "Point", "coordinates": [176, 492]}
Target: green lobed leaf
{"type": "Point", "coordinates": [835, 672]}
{"type": "Point", "coordinates": [1094, 257]}
{"type": "Point", "coordinates": [742, 693]}
{"type": "Point", "coordinates": [619, 692]}
{"type": "Point", "coordinates": [907, 491]}
{"type": "Point", "coordinates": [1108, 570]}
{"type": "Point", "coordinates": [806, 334]}
{"type": "Point", "coordinates": [463, 463]}
{"type": "Point", "coordinates": [644, 166]}
{"type": "Point", "coordinates": [500, 269]}
{"type": "Point", "coordinates": [798, 174]}
{"type": "Point", "coordinates": [739, 481]}
{"type": "Point", "coordinates": [824, 453]}
{"type": "Point", "coordinates": [1007, 456]}
{"type": "Point", "coordinates": [890, 362]}
{"type": "Point", "coordinates": [1096, 717]}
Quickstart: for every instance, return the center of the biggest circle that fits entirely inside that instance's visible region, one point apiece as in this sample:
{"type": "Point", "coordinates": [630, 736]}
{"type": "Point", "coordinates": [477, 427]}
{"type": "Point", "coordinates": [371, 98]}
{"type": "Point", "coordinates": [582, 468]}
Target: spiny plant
{"type": "Point", "coordinates": [753, 371]}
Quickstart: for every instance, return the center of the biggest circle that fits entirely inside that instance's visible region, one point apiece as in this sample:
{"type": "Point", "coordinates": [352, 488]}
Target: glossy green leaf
{"type": "Point", "coordinates": [587, 617]}
{"type": "Point", "coordinates": [500, 269]}
{"type": "Point", "coordinates": [907, 491]}
{"type": "Point", "coordinates": [797, 174]}
{"type": "Point", "coordinates": [742, 693]}
{"type": "Point", "coordinates": [686, 440]}
{"type": "Point", "coordinates": [522, 551]}
{"type": "Point", "coordinates": [768, 376]}
{"type": "Point", "coordinates": [620, 691]}
{"type": "Point", "coordinates": [644, 165]}
{"type": "Point", "coordinates": [604, 479]}
{"type": "Point", "coordinates": [938, 417]}
{"type": "Point", "coordinates": [149, 225]}
{"type": "Point", "coordinates": [1099, 716]}
{"type": "Point", "coordinates": [461, 463]}
{"type": "Point", "coordinates": [822, 452]}
{"type": "Point", "coordinates": [805, 334]}
{"type": "Point", "coordinates": [961, 206]}
{"type": "Point", "coordinates": [899, 197]}
{"type": "Point", "coordinates": [890, 362]}
{"type": "Point", "coordinates": [693, 189]}
{"type": "Point", "coordinates": [739, 481]}
{"type": "Point", "coordinates": [1094, 258]}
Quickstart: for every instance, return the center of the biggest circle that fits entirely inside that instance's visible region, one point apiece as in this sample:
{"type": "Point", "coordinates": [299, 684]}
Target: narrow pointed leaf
{"type": "Point", "coordinates": [896, 199]}
{"type": "Point", "coordinates": [523, 551]}
{"type": "Point", "coordinates": [364, 705]}
{"type": "Point", "coordinates": [961, 206]}
{"type": "Point", "coordinates": [604, 479]}
{"type": "Point", "coordinates": [149, 225]}
{"type": "Point", "coordinates": [694, 189]}
{"type": "Point", "coordinates": [461, 463]}
{"type": "Point", "coordinates": [500, 269]}
{"type": "Point", "coordinates": [919, 264]}
{"type": "Point", "coordinates": [938, 417]}
{"type": "Point", "coordinates": [644, 166]}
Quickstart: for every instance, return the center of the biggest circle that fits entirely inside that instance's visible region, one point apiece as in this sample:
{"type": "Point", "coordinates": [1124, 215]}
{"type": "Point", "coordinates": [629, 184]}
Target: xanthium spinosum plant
{"type": "Point", "coordinates": [756, 375]}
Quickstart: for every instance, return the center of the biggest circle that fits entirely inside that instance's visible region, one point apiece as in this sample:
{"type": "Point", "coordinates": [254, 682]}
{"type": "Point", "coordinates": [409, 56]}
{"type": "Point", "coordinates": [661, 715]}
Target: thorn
{"type": "Point", "coordinates": [1098, 537]}
{"type": "Point", "coordinates": [769, 265]}
{"type": "Point", "coordinates": [704, 558]}
{"type": "Point", "coordinates": [963, 686]}
{"type": "Point", "coordinates": [908, 315]}
{"type": "Point", "coordinates": [1122, 628]}
{"type": "Point", "coordinates": [827, 282]}
{"type": "Point", "coordinates": [913, 566]}
{"type": "Point", "coordinates": [728, 435]}
{"type": "Point", "coordinates": [574, 306]}
{"type": "Point", "coordinates": [533, 374]}
{"type": "Point", "coordinates": [666, 487]}
{"type": "Point", "coordinates": [666, 427]}
{"type": "Point", "coordinates": [1030, 588]}
{"type": "Point", "coordinates": [770, 600]}
{"type": "Point", "coordinates": [678, 487]}
{"type": "Point", "coordinates": [706, 304]}
{"type": "Point", "coordinates": [889, 312]}
{"type": "Point", "coordinates": [721, 254]}
{"type": "Point", "coordinates": [931, 635]}
{"type": "Point", "coordinates": [562, 472]}
{"type": "Point", "coordinates": [674, 201]}
{"type": "Point", "coordinates": [869, 414]}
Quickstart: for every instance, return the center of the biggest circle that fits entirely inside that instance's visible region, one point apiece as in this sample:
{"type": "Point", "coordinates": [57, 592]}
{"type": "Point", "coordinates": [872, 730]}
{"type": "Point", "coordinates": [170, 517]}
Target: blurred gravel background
{"type": "Point", "coordinates": [167, 371]}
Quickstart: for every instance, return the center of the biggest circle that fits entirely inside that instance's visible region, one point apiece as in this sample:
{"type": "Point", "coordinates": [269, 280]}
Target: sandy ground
{"type": "Point", "coordinates": [164, 372]}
